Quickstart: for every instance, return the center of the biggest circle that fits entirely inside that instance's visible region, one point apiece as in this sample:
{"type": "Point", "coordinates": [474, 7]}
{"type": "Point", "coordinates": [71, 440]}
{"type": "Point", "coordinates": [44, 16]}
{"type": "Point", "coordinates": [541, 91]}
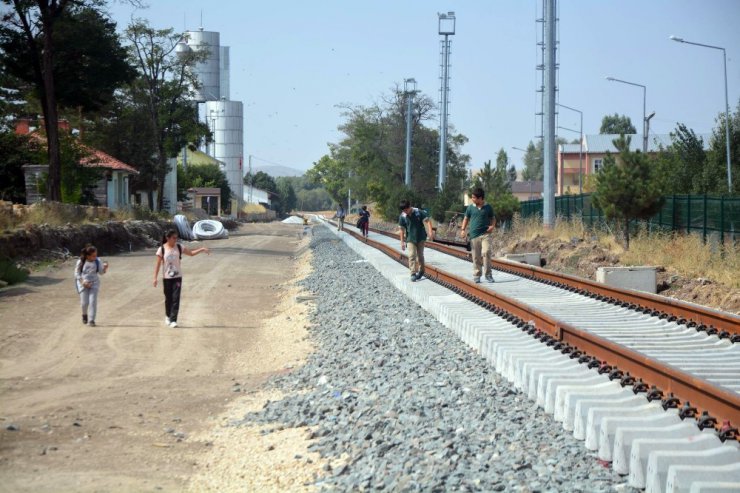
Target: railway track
{"type": "Point", "coordinates": [614, 365]}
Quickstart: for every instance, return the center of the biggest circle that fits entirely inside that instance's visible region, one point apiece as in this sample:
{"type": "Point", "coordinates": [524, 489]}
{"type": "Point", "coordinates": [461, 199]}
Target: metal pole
{"type": "Point", "coordinates": [409, 98]}
{"type": "Point", "coordinates": [580, 160]}
{"type": "Point", "coordinates": [442, 175]}
{"type": "Point", "coordinates": [251, 179]}
{"type": "Point", "coordinates": [727, 127]}
{"type": "Point", "coordinates": [548, 211]}
{"type": "Point", "coordinates": [644, 120]}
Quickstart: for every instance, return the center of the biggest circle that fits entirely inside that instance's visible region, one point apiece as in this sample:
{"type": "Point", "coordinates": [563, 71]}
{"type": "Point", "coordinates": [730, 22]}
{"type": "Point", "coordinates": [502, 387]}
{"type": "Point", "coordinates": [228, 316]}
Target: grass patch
{"type": "Point", "coordinates": [688, 255]}
{"type": "Point", "coordinates": [10, 273]}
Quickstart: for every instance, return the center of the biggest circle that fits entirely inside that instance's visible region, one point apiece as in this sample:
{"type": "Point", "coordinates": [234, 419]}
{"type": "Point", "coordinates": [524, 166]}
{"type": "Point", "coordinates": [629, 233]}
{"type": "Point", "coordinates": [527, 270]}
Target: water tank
{"type": "Point", "coordinates": [225, 119]}
{"type": "Point", "coordinates": [225, 92]}
{"type": "Point", "coordinates": [207, 72]}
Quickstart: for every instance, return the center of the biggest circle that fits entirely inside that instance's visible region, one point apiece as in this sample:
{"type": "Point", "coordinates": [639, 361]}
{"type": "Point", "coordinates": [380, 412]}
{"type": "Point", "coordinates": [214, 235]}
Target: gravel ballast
{"type": "Point", "coordinates": [407, 406]}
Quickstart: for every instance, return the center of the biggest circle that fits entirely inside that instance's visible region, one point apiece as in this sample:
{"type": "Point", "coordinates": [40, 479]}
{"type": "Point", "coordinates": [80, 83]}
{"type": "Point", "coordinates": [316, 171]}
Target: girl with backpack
{"type": "Point", "coordinates": [169, 255]}
{"type": "Point", "coordinates": [87, 279]}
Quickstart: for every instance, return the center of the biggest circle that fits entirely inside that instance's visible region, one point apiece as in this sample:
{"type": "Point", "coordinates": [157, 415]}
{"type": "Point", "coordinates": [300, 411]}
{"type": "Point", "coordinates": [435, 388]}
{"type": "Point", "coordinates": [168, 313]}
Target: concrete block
{"type": "Point", "coordinates": [525, 258]}
{"type": "Point", "coordinates": [661, 462]}
{"type": "Point", "coordinates": [638, 278]}
{"type": "Point", "coordinates": [684, 437]}
{"type": "Point", "coordinates": [577, 407]}
{"type": "Point", "coordinates": [604, 440]}
{"type": "Point", "coordinates": [715, 487]}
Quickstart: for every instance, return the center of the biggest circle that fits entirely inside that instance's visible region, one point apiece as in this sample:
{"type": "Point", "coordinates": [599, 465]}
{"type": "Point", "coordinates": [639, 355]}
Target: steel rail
{"type": "Point", "coordinates": [703, 318]}
{"type": "Point", "coordinates": [719, 404]}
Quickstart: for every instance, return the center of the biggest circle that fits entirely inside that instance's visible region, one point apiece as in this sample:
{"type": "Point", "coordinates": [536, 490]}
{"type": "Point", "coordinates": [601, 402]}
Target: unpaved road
{"type": "Point", "coordinates": [126, 406]}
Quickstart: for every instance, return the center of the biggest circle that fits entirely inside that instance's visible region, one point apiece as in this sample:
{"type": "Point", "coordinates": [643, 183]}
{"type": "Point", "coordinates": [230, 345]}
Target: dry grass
{"type": "Point", "coordinates": [687, 255]}
{"type": "Point", "coordinates": [565, 230]}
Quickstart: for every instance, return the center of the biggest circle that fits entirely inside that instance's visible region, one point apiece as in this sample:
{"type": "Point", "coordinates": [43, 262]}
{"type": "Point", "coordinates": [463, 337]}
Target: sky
{"type": "Point", "coordinates": [293, 62]}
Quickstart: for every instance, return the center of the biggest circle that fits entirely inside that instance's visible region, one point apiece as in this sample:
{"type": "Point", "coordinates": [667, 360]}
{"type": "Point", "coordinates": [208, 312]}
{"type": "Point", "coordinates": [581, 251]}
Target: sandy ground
{"type": "Point", "coordinates": [132, 405]}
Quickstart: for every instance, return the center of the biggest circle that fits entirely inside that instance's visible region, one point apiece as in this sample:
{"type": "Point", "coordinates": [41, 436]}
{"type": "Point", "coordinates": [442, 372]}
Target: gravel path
{"type": "Point", "coordinates": [408, 405]}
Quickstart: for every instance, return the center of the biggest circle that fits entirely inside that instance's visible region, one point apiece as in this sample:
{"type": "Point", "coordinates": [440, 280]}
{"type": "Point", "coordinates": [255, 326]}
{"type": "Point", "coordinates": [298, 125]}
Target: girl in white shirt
{"type": "Point", "coordinates": [169, 255]}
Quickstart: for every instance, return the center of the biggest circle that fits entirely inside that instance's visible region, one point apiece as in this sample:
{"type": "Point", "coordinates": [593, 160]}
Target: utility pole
{"type": "Point", "coordinates": [548, 215]}
{"type": "Point", "coordinates": [409, 89]}
{"type": "Point", "coordinates": [251, 179]}
{"type": "Point", "coordinates": [446, 28]}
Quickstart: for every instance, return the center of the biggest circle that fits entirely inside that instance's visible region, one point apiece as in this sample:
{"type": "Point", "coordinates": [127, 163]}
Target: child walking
{"type": "Point", "coordinates": [87, 278]}
{"type": "Point", "coordinates": [364, 222]}
{"type": "Point", "coordinates": [169, 255]}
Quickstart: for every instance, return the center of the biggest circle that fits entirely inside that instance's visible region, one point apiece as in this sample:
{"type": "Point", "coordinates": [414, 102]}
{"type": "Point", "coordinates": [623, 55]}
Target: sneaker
{"type": "Point", "coordinates": [84, 319]}
{"type": "Point", "coordinates": [167, 320]}
{"type": "Point", "coordinates": [413, 277]}
{"type": "Point", "coordinates": [419, 275]}
{"type": "Point", "coordinates": [173, 324]}
{"type": "Point", "coordinates": [91, 323]}
{"type": "Point", "coordinates": [476, 280]}
{"type": "Point", "coordinates": [489, 278]}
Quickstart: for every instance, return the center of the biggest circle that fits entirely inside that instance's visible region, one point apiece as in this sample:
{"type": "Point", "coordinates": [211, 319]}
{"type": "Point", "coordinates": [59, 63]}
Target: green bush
{"type": "Point", "coordinates": [10, 273]}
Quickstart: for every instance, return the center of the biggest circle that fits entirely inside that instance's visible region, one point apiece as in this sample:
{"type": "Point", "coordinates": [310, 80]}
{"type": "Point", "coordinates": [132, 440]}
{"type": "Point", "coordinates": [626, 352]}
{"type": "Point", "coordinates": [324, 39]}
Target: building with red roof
{"type": "Point", "coordinates": [112, 190]}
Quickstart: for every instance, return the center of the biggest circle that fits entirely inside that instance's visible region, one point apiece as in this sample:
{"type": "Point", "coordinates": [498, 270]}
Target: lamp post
{"type": "Point", "coordinates": [446, 28]}
{"type": "Point", "coordinates": [409, 90]}
{"type": "Point", "coordinates": [727, 104]}
{"type": "Point", "coordinates": [644, 100]}
{"type": "Point", "coordinates": [580, 142]}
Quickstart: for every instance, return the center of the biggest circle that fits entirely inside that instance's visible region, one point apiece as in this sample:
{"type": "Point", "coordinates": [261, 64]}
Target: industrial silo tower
{"type": "Point", "coordinates": [225, 118]}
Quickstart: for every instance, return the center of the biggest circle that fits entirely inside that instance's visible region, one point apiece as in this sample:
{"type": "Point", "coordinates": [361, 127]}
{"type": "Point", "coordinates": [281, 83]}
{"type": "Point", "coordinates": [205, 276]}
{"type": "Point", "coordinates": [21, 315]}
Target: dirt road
{"type": "Point", "coordinates": [125, 406]}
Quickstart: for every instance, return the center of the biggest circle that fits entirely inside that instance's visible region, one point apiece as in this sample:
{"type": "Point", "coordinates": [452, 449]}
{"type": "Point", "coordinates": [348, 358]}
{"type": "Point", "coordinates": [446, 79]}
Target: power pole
{"type": "Point", "coordinates": [446, 28]}
{"type": "Point", "coordinates": [409, 89]}
{"type": "Point", "coordinates": [549, 155]}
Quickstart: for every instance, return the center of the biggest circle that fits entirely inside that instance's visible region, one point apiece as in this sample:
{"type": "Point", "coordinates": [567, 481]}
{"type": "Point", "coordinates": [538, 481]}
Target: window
{"type": "Point", "coordinates": [598, 164]}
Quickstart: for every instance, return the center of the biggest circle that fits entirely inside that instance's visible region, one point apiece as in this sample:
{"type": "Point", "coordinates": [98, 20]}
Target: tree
{"type": "Point", "coordinates": [369, 158]}
{"type": "Point", "coordinates": [534, 160]}
{"type": "Point", "coordinates": [164, 85]}
{"type": "Point", "coordinates": [512, 173]}
{"type": "Point", "coordinates": [261, 180]}
{"type": "Point", "coordinates": [287, 195]}
{"type": "Point", "coordinates": [682, 163]}
{"type": "Point", "coordinates": [35, 23]}
{"type": "Point", "coordinates": [617, 124]}
{"type": "Point", "coordinates": [495, 182]}
{"type": "Point", "coordinates": [715, 174]}
{"type": "Point", "coordinates": [203, 175]}
{"type": "Point", "coordinates": [627, 188]}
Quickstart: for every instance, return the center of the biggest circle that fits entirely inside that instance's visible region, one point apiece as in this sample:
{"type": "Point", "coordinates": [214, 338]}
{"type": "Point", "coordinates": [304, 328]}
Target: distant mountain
{"type": "Point", "coordinates": [276, 171]}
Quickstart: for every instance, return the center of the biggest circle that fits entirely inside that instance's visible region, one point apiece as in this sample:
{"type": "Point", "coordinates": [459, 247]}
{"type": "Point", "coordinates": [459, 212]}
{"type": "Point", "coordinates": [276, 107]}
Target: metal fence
{"type": "Point", "coordinates": [703, 214]}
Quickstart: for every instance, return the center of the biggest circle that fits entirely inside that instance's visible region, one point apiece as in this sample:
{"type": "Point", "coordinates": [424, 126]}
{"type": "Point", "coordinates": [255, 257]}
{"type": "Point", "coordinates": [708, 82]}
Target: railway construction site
{"type": "Point", "coordinates": [306, 360]}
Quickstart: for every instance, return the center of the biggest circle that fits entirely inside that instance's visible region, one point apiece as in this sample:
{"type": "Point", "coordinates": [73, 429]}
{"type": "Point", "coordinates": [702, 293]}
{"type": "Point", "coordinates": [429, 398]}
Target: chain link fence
{"type": "Point", "coordinates": [714, 216]}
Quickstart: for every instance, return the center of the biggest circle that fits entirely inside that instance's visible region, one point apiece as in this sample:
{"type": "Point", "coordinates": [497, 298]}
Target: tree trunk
{"type": "Point", "coordinates": [627, 234]}
{"type": "Point", "coordinates": [51, 116]}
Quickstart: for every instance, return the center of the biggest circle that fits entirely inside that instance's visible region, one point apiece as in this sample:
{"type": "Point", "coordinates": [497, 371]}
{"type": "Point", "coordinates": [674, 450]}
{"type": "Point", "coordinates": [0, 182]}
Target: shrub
{"type": "Point", "coordinates": [11, 273]}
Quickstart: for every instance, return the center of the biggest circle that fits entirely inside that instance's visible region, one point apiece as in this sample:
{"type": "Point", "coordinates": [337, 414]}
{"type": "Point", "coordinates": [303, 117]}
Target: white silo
{"type": "Point", "coordinates": [225, 119]}
{"type": "Point", "coordinates": [207, 72]}
{"type": "Point", "coordinates": [224, 72]}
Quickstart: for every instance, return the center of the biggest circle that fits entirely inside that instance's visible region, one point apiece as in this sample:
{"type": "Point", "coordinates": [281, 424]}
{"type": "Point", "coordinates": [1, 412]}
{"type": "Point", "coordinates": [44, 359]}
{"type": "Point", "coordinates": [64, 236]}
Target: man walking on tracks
{"type": "Point", "coordinates": [340, 217]}
{"type": "Point", "coordinates": [415, 229]}
{"type": "Point", "coordinates": [481, 219]}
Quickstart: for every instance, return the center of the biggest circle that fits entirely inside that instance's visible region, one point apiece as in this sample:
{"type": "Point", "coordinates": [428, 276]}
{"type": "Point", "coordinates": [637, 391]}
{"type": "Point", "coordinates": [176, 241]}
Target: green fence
{"type": "Point", "coordinates": [703, 214]}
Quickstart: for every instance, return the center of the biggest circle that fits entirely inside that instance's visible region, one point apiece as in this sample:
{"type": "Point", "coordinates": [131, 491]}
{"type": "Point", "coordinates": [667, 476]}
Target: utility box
{"type": "Point", "coordinates": [525, 258]}
{"type": "Point", "coordinates": [637, 278]}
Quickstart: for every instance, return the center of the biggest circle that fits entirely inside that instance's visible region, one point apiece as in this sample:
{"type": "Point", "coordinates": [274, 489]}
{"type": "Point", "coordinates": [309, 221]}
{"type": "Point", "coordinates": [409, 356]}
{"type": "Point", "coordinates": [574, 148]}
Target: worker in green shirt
{"type": "Point", "coordinates": [415, 229]}
{"type": "Point", "coordinates": [481, 219]}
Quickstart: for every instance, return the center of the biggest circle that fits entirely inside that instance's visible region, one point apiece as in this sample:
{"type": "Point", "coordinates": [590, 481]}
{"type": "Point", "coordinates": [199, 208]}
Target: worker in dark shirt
{"type": "Point", "coordinates": [415, 229]}
{"type": "Point", "coordinates": [481, 219]}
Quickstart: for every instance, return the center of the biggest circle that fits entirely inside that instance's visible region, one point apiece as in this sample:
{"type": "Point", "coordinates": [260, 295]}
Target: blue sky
{"type": "Point", "coordinates": [293, 61]}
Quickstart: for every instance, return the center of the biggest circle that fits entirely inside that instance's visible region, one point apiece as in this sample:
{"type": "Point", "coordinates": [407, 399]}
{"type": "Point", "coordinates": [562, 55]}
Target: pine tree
{"type": "Point", "coordinates": [627, 187]}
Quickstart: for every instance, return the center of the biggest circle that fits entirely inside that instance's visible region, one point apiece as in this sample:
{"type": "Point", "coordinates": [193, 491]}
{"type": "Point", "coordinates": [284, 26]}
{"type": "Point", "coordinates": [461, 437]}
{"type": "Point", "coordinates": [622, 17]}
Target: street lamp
{"type": "Point", "coordinates": [409, 90]}
{"type": "Point", "coordinates": [644, 120]}
{"type": "Point", "coordinates": [580, 142]}
{"type": "Point", "coordinates": [727, 104]}
{"type": "Point", "coordinates": [446, 28]}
